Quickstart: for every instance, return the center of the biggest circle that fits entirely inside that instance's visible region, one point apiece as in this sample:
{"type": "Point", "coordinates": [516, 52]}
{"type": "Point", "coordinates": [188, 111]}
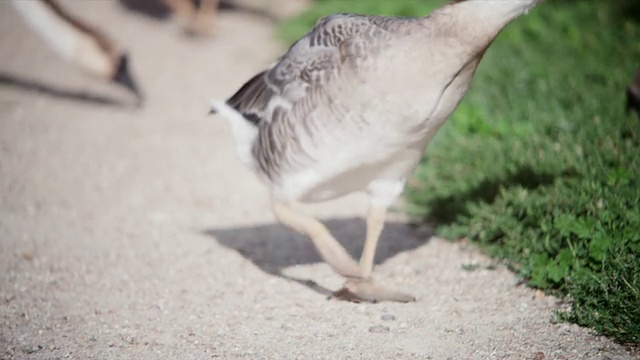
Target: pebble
{"type": "Point", "coordinates": [379, 329]}
{"type": "Point", "coordinates": [538, 356]}
{"type": "Point", "coordinates": [388, 317]}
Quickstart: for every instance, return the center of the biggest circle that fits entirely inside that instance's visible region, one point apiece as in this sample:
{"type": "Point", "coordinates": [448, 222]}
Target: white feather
{"type": "Point", "coordinates": [243, 131]}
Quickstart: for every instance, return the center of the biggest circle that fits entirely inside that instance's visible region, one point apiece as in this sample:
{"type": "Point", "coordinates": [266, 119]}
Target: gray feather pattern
{"type": "Point", "coordinates": [298, 83]}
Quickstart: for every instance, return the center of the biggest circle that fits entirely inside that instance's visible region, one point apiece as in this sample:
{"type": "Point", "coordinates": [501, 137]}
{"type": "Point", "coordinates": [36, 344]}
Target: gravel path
{"type": "Point", "coordinates": [136, 234]}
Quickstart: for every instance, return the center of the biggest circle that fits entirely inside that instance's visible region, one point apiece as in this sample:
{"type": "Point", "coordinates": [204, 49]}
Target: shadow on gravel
{"type": "Point", "coordinates": [273, 247]}
{"type": "Point", "coordinates": [23, 84]}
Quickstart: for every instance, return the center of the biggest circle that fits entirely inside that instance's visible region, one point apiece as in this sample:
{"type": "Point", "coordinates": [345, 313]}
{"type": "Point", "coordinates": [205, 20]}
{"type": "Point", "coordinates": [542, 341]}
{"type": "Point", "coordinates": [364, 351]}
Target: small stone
{"type": "Point", "coordinates": [388, 317]}
{"type": "Point", "coordinates": [566, 329]}
{"type": "Point", "coordinates": [28, 256]}
{"type": "Point", "coordinates": [538, 356]}
{"type": "Point", "coordinates": [379, 329]}
{"type": "Point", "coordinates": [32, 350]}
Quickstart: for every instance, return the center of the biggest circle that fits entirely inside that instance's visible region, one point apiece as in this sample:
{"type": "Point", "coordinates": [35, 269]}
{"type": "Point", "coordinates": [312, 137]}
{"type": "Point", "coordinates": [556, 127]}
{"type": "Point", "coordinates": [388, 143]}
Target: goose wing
{"type": "Point", "coordinates": [297, 82]}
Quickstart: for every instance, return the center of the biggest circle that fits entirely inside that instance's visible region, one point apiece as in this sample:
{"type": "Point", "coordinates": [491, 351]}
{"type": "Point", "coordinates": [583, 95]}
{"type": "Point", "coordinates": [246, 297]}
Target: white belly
{"type": "Point", "coordinates": [343, 173]}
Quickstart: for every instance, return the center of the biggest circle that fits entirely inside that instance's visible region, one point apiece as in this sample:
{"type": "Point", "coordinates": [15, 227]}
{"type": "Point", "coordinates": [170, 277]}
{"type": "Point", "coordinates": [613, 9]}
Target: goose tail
{"type": "Point", "coordinates": [244, 132]}
{"type": "Point", "coordinates": [217, 107]}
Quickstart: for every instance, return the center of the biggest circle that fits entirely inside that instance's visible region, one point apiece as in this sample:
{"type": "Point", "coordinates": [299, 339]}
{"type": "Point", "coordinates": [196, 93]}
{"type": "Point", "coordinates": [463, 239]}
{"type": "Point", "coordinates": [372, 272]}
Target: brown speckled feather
{"type": "Point", "coordinates": [312, 61]}
{"type": "Point", "coordinates": [279, 100]}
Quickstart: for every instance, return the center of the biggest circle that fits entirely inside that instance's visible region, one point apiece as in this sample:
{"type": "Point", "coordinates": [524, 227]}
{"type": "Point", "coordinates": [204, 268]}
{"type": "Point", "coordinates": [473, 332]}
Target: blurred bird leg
{"type": "Point", "coordinates": [199, 21]}
{"type": "Point", "coordinates": [182, 8]}
{"type": "Point", "coordinates": [359, 286]}
{"type": "Point", "coordinates": [78, 42]}
{"type": "Point", "coordinates": [364, 288]}
{"type": "Point", "coordinates": [329, 248]}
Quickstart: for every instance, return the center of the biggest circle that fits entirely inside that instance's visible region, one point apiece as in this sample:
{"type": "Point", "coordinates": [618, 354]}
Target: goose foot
{"type": "Point", "coordinates": [366, 290]}
{"type": "Point", "coordinates": [201, 26]}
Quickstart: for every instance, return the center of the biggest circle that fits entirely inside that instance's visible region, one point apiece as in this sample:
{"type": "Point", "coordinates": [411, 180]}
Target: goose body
{"type": "Point", "coordinates": [351, 107]}
{"type": "Point", "coordinates": [77, 41]}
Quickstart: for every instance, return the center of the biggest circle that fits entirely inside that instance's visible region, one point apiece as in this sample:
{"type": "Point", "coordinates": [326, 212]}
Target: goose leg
{"type": "Point", "coordinates": [359, 286]}
{"type": "Point", "coordinates": [364, 288]}
{"type": "Point", "coordinates": [182, 8]}
{"type": "Point", "coordinates": [204, 21]}
{"type": "Point", "coordinates": [329, 248]}
{"type": "Point", "coordinates": [375, 224]}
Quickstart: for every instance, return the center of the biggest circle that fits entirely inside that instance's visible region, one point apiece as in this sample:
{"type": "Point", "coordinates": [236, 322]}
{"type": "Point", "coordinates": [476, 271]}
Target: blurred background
{"type": "Point", "coordinates": [539, 165]}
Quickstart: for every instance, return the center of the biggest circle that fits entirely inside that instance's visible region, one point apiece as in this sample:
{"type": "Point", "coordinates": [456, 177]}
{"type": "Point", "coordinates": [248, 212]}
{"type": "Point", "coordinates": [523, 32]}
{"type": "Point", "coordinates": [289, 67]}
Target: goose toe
{"type": "Point", "coordinates": [366, 290]}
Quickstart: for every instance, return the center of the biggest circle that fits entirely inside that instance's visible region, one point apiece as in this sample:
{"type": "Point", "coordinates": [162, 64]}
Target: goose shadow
{"type": "Point", "coordinates": [161, 11]}
{"type": "Point", "coordinates": [54, 91]}
{"type": "Point", "coordinates": [273, 247]}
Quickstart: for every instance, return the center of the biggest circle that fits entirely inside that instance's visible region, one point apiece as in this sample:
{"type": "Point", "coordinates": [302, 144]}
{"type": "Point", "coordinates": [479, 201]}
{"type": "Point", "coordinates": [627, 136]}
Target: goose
{"type": "Point", "coordinates": [78, 42]}
{"type": "Point", "coordinates": [351, 107]}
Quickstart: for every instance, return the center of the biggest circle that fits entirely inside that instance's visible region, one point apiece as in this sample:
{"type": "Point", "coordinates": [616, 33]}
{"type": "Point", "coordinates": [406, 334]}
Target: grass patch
{"type": "Point", "coordinates": [295, 28]}
{"type": "Point", "coordinates": [539, 165]}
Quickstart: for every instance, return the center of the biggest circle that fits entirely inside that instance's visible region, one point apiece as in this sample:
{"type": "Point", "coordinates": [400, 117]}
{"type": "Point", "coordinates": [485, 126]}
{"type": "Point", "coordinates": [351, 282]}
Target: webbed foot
{"type": "Point", "coordinates": [366, 290]}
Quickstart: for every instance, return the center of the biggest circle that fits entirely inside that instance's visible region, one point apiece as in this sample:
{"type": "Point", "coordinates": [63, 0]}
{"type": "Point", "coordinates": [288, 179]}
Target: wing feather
{"type": "Point", "coordinates": [281, 99]}
{"type": "Point", "coordinates": [313, 62]}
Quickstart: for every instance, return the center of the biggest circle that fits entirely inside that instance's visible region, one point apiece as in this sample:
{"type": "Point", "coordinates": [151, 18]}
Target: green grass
{"type": "Point", "coordinates": [292, 30]}
{"type": "Point", "coordinates": [539, 165]}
